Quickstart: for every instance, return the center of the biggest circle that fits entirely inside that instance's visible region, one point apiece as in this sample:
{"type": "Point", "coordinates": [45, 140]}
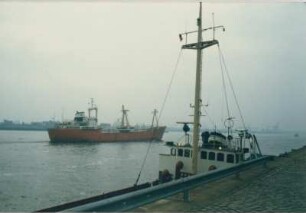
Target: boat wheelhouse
{"type": "Point", "coordinates": [215, 151]}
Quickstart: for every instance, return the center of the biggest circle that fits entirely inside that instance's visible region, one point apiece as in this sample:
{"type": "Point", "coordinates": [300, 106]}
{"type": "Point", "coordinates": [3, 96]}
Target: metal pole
{"type": "Point", "coordinates": [197, 99]}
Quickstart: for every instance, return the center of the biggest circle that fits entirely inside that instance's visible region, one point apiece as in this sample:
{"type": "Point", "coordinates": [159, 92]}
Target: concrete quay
{"type": "Point", "coordinates": [280, 186]}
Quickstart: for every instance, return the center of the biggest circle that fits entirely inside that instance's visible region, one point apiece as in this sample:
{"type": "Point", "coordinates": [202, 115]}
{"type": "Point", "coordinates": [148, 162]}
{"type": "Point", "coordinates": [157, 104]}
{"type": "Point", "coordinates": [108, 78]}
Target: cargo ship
{"type": "Point", "coordinates": [86, 129]}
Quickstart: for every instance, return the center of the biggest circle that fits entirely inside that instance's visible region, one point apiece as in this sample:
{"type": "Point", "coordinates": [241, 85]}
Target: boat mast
{"type": "Point", "coordinates": [93, 108]}
{"type": "Point", "coordinates": [154, 118]}
{"type": "Point", "coordinates": [124, 119]}
{"type": "Point", "coordinates": [199, 46]}
{"type": "Point", "coordinates": [197, 98]}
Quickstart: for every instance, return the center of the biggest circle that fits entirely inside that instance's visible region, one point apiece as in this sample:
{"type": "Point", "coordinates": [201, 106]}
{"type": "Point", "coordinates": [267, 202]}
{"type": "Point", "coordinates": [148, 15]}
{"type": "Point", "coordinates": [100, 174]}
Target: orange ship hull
{"type": "Point", "coordinates": [97, 135]}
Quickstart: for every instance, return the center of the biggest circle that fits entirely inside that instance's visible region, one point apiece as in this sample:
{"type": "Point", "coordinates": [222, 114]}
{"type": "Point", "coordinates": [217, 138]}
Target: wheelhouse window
{"type": "Point", "coordinates": [230, 158]}
{"type": "Point", "coordinates": [187, 153]}
{"type": "Point", "coordinates": [211, 156]}
{"type": "Point", "coordinates": [173, 152]}
{"type": "Point", "coordinates": [203, 155]}
{"type": "Point", "coordinates": [180, 152]}
{"type": "Point", "coordinates": [220, 157]}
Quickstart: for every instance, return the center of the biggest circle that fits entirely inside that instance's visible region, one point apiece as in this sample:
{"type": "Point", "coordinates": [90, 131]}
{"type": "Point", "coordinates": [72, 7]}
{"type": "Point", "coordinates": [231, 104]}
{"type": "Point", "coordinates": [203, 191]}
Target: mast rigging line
{"type": "Point", "coordinates": [231, 85]}
{"type": "Point", "coordinates": [160, 114]}
{"type": "Point", "coordinates": [224, 87]}
{"type": "Point", "coordinates": [170, 84]}
{"type": "Point", "coordinates": [209, 118]}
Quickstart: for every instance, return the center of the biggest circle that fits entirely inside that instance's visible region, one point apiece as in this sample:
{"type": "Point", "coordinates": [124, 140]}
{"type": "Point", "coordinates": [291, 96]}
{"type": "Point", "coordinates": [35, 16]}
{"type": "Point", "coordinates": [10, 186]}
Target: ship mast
{"type": "Point", "coordinates": [197, 98]}
{"type": "Point", "coordinates": [124, 121]}
{"type": "Point", "coordinates": [154, 118]}
{"type": "Point", "coordinates": [199, 46]}
{"type": "Point", "coordinates": [93, 108]}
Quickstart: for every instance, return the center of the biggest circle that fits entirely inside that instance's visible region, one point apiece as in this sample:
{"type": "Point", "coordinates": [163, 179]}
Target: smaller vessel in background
{"type": "Point", "coordinates": [86, 129]}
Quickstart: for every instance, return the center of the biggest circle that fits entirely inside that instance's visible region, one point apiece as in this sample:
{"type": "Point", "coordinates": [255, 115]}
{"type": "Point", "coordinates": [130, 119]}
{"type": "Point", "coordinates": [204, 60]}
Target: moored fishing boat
{"type": "Point", "coordinates": [191, 156]}
{"type": "Point", "coordinates": [86, 129]}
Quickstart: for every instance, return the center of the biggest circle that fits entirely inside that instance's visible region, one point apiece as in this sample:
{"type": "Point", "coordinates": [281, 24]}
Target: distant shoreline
{"type": "Point", "coordinates": [23, 129]}
{"type": "Point", "coordinates": [33, 126]}
{"type": "Point", "coordinates": [38, 128]}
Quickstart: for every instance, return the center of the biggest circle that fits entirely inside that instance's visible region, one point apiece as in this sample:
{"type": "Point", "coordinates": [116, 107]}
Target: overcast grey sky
{"type": "Point", "coordinates": [54, 57]}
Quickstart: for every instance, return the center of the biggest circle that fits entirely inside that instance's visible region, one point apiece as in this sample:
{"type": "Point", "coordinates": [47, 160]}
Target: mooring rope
{"type": "Point", "coordinates": [160, 114]}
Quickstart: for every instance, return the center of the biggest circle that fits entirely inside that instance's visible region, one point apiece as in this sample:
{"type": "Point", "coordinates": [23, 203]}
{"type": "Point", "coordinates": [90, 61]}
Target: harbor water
{"type": "Point", "coordinates": [36, 174]}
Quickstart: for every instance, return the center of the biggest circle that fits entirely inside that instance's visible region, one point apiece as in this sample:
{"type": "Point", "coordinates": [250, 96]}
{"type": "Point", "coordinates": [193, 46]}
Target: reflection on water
{"type": "Point", "coordinates": [36, 173]}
